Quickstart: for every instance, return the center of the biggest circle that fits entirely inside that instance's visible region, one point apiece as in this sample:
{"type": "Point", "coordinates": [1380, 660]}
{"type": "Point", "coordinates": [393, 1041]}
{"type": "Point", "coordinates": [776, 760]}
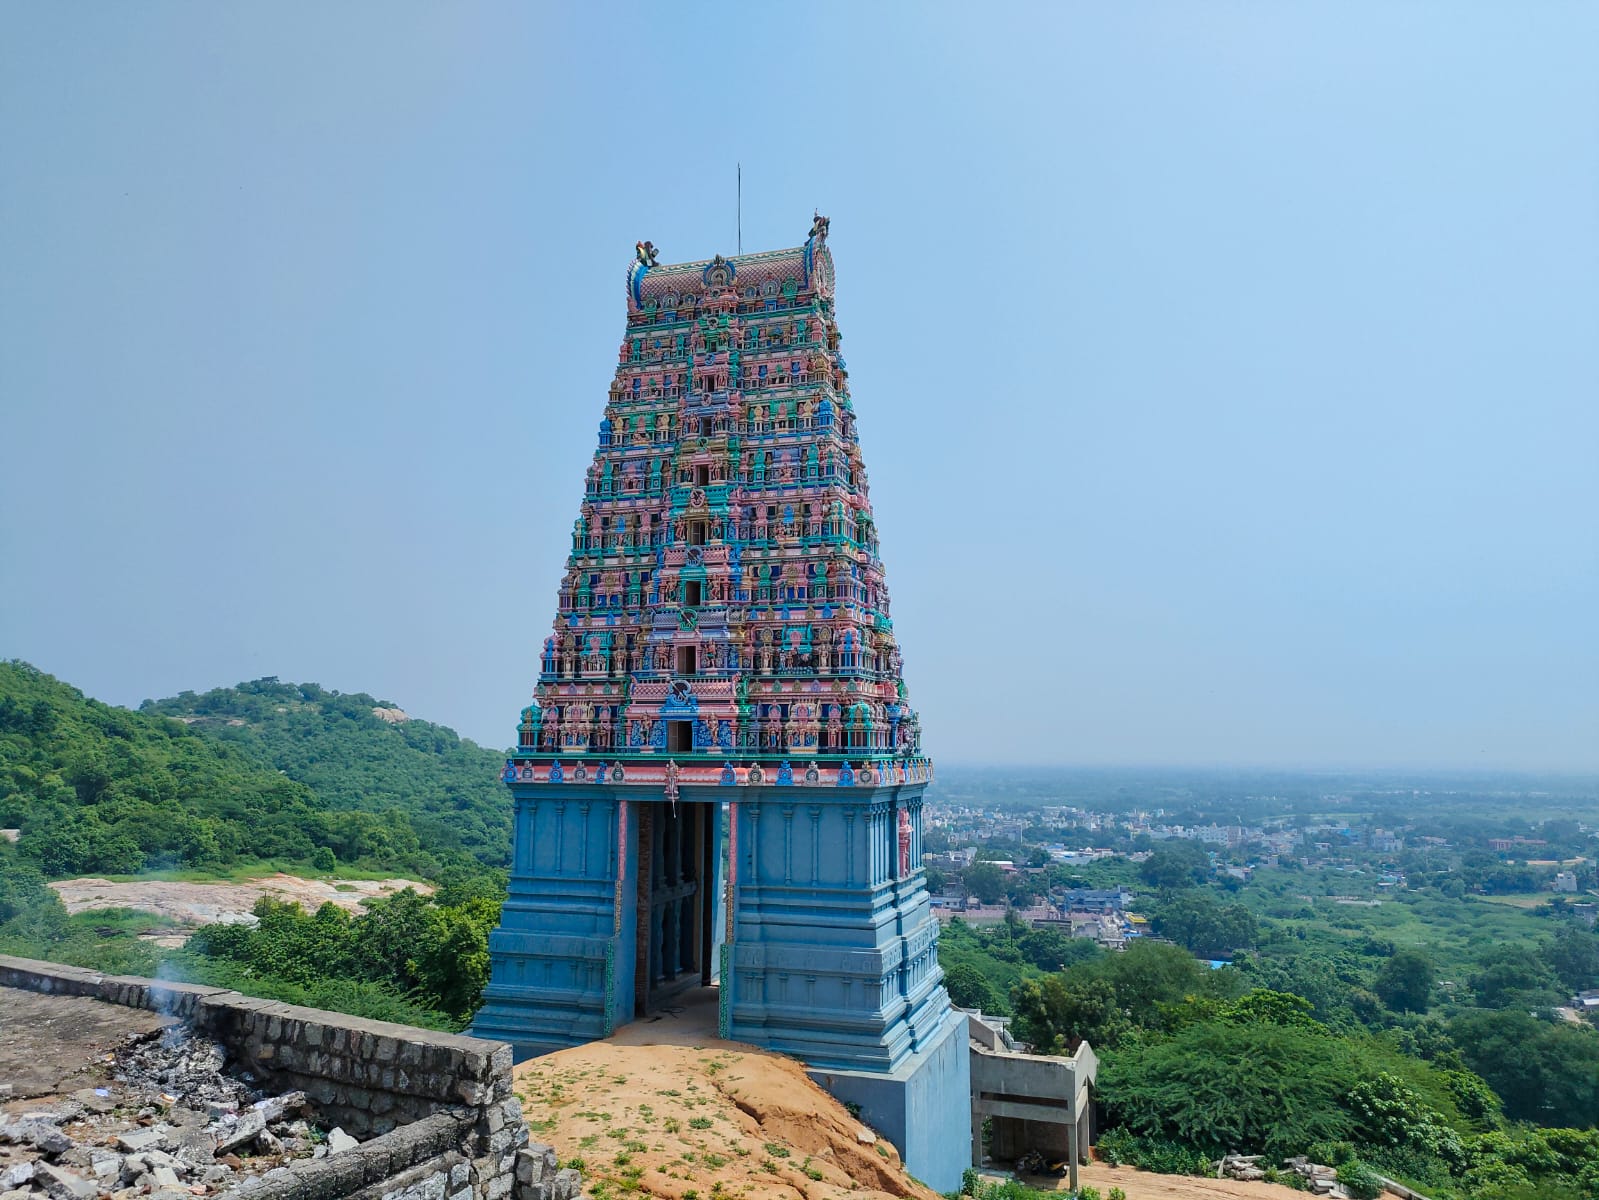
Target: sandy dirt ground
{"type": "Point", "coordinates": [1141, 1185]}
{"type": "Point", "coordinates": [190, 905]}
{"type": "Point", "coordinates": [53, 1045]}
{"type": "Point", "coordinates": [697, 1123]}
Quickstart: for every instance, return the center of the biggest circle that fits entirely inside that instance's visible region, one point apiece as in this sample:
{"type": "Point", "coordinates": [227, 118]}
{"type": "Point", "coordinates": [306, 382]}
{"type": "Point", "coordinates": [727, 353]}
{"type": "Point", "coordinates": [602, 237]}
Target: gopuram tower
{"type": "Point", "coordinates": [723, 643]}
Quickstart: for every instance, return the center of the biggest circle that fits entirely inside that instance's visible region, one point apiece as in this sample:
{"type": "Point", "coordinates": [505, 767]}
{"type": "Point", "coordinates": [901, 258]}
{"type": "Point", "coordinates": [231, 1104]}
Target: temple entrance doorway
{"type": "Point", "coordinates": [676, 901]}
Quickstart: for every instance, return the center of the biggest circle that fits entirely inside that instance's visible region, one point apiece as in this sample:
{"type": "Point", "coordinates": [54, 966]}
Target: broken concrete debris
{"type": "Point", "coordinates": [174, 1126]}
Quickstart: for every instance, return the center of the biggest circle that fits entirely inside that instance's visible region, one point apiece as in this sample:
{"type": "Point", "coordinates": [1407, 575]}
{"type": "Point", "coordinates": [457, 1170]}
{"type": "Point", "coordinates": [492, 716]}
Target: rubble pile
{"type": "Point", "coordinates": [1241, 1166]}
{"type": "Point", "coordinates": [170, 1123]}
{"type": "Point", "coordinates": [1319, 1180]}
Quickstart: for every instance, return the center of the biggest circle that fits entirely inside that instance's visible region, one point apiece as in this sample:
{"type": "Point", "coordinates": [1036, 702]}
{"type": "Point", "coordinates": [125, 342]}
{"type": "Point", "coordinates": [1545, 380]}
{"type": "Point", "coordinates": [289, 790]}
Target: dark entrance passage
{"type": "Point", "coordinates": [676, 876]}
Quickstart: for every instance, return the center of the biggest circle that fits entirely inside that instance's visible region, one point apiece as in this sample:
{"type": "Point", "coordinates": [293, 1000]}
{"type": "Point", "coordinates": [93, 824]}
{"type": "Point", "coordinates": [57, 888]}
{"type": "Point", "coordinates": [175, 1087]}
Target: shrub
{"type": "Point", "coordinates": [1332, 1154]}
{"type": "Point", "coordinates": [1360, 1181]}
{"type": "Point", "coordinates": [1263, 1088]}
{"type": "Point", "coordinates": [1387, 1113]}
{"type": "Point", "coordinates": [1118, 1147]}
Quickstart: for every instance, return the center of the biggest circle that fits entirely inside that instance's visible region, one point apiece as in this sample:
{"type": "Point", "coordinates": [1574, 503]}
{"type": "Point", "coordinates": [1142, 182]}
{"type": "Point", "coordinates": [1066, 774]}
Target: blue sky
{"type": "Point", "coordinates": [1226, 372]}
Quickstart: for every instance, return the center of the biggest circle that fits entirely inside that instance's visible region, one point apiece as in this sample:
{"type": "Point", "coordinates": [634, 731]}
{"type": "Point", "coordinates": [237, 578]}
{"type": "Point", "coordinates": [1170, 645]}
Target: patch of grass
{"type": "Point", "coordinates": [775, 1150]}
{"type": "Point", "coordinates": [714, 1161]}
{"type": "Point", "coordinates": [699, 1122]}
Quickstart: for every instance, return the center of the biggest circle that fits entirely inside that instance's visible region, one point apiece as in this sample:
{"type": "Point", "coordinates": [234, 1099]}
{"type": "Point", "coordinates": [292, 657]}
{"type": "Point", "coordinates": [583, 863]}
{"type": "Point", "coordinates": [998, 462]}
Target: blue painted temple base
{"type": "Point", "coordinates": [924, 1107]}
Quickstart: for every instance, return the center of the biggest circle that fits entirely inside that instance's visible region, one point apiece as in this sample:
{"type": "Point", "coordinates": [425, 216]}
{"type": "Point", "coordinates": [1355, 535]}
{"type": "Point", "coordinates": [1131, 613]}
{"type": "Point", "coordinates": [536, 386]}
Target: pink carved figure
{"type": "Point", "coordinates": [904, 842]}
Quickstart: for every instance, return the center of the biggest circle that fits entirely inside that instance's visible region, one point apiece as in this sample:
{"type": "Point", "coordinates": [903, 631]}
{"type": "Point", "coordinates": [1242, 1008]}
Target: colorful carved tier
{"type": "Point", "coordinates": [723, 639]}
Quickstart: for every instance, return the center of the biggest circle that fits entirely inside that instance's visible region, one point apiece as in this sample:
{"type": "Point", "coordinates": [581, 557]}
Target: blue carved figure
{"type": "Point", "coordinates": [785, 775]}
{"type": "Point", "coordinates": [846, 777]}
{"type": "Point", "coordinates": [556, 774]}
{"type": "Point", "coordinates": [727, 776]}
{"type": "Point", "coordinates": [509, 774]}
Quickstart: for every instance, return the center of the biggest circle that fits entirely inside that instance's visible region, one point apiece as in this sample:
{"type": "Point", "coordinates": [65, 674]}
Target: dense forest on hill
{"type": "Point", "coordinates": [352, 758]}
{"type": "Point", "coordinates": [105, 790]}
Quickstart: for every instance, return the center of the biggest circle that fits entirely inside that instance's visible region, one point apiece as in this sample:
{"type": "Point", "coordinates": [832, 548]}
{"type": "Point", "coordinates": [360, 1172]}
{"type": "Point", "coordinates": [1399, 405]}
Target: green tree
{"type": "Point", "coordinates": [1269, 1088]}
{"type": "Point", "coordinates": [1057, 1013]}
{"type": "Point", "coordinates": [1176, 864]}
{"type": "Point", "coordinates": [1193, 919]}
{"type": "Point", "coordinates": [1389, 1113]}
{"type": "Point", "coordinates": [1515, 976]}
{"type": "Point", "coordinates": [969, 988]}
{"type": "Point", "coordinates": [1056, 949]}
{"type": "Point", "coordinates": [1150, 974]}
{"type": "Point", "coordinates": [1544, 1072]}
{"type": "Point", "coordinates": [1573, 955]}
{"type": "Point", "coordinates": [452, 965]}
{"type": "Point", "coordinates": [1405, 981]}
{"type": "Point", "coordinates": [985, 881]}
{"type": "Point", "coordinates": [1265, 1007]}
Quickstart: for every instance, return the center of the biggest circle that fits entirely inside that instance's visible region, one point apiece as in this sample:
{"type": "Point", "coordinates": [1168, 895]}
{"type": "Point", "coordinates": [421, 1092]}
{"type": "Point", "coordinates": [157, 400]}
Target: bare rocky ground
{"type": "Point", "coordinates": [100, 1102]}
{"type": "Point", "coordinates": [189, 905]}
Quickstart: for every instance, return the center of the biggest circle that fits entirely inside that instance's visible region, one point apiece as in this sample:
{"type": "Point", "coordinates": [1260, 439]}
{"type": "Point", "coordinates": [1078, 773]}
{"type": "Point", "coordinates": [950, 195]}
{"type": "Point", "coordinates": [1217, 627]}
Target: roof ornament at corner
{"type": "Point", "coordinates": [646, 253]}
{"type": "Point", "coordinates": [819, 225]}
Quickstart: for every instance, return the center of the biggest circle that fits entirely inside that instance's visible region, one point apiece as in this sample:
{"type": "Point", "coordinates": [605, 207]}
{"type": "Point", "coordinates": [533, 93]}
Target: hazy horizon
{"type": "Point", "coordinates": [1225, 374]}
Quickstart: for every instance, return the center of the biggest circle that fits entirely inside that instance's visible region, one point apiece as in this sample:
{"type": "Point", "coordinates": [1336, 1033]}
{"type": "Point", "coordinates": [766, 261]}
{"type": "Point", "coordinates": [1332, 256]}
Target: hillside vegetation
{"type": "Point", "coordinates": [1417, 1037]}
{"type": "Point", "coordinates": [105, 790]}
{"type": "Point", "coordinates": [270, 777]}
{"type": "Point", "coordinates": [357, 753]}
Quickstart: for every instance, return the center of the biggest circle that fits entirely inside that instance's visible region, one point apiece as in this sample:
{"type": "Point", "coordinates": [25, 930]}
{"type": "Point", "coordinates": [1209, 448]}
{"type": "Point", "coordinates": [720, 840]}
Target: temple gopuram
{"type": "Point", "coordinates": [723, 669]}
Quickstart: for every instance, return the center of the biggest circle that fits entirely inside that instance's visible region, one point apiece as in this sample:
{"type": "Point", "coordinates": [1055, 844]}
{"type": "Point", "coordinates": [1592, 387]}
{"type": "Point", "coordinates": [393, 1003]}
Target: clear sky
{"type": "Point", "coordinates": [1227, 374]}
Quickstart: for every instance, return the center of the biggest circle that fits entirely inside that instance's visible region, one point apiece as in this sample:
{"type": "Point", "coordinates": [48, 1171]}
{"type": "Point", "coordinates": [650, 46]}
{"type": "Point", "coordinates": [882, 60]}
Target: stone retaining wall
{"type": "Point", "coordinates": [438, 1108]}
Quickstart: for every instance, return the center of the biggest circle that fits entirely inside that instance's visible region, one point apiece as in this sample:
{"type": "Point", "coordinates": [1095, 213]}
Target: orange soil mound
{"type": "Point", "coordinates": [704, 1123]}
